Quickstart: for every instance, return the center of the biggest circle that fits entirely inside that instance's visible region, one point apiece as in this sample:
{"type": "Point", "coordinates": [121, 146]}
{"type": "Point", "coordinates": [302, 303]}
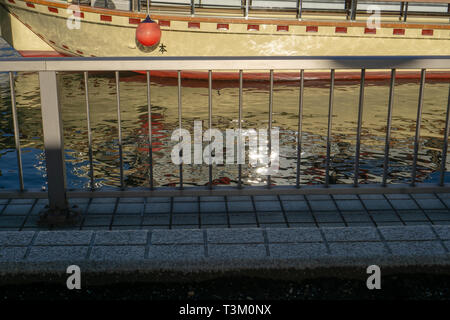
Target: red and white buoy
{"type": "Point", "coordinates": [148, 32]}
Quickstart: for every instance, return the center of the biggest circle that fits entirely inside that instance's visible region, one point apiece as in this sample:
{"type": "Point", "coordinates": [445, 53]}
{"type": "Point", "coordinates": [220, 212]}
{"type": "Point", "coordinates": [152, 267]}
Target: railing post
{"type": "Point", "coordinates": [192, 7]}
{"type": "Point", "coordinates": [53, 143]}
{"type": "Point", "coordinates": [353, 10]}
{"type": "Point", "coordinates": [247, 3]}
{"type": "Point", "coordinates": [299, 9]}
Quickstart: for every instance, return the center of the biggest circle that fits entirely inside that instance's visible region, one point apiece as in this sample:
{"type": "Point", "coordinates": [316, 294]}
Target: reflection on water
{"type": "Point", "coordinates": [225, 116]}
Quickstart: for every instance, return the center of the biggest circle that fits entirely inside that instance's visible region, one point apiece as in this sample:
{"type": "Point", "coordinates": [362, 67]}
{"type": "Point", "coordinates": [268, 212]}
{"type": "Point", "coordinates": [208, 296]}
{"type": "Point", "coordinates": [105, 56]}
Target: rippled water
{"type": "Point", "coordinates": [225, 115]}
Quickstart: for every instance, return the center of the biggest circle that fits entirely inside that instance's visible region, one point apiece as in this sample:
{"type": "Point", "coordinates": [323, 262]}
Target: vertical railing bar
{"type": "Point", "coordinates": [418, 123]}
{"type": "Point", "coordinates": [299, 9]}
{"type": "Point", "coordinates": [358, 130]}
{"type": "Point", "coordinates": [240, 129]}
{"type": "Point", "coordinates": [119, 123]}
{"type": "Point", "coordinates": [269, 130]}
{"type": "Point", "coordinates": [180, 125]}
{"type": "Point", "coordinates": [445, 146]}
{"type": "Point", "coordinates": [330, 116]}
{"type": "Point", "coordinates": [150, 131]}
{"type": "Point", "coordinates": [89, 129]}
{"type": "Point", "coordinates": [247, 3]}
{"type": "Point", "coordinates": [299, 129]}
{"type": "Point", "coordinates": [210, 119]}
{"type": "Point", "coordinates": [406, 12]}
{"type": "Point", "coordinates": [16, 130]}
{"type": "Point", "coordinates": [388, 128]}
{"type": "Point", "coordinates": [192, 7]}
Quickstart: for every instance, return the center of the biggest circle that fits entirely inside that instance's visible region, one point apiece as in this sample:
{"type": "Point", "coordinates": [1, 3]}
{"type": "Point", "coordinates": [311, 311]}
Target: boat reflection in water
{"type": "Point", "coordinates": [225, 95]}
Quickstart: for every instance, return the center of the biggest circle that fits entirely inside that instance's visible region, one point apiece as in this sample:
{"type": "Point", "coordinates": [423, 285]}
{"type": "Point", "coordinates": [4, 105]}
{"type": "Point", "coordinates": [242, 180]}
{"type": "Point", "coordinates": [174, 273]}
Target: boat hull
{"type": "Point", "coordinates": [106, 32]}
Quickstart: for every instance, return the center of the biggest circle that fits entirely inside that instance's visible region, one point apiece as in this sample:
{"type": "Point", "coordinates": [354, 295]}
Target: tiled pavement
{"type": "Point", "coordinates": [284, 211]}
{"type": "Point", "coordinates": [194, 234]}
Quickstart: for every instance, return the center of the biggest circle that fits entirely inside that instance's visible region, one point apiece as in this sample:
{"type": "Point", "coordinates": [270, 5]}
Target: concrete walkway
{"type": "Point", "coordinates": [215, 234]}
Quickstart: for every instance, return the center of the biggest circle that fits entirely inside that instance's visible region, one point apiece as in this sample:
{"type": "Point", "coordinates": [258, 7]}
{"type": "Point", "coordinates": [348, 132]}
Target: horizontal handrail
{"type": "Point", "coordinates": [224, 63]}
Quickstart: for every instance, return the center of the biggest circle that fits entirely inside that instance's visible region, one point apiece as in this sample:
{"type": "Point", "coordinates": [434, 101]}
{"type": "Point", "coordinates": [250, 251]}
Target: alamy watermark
{"type": "Point", "coordinates": [228, 147]}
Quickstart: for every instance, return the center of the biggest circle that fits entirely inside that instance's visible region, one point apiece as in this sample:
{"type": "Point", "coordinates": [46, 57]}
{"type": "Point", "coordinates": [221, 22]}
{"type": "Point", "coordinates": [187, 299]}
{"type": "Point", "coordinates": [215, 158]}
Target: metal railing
{"type": "Point", "coordinates": [53, 127]}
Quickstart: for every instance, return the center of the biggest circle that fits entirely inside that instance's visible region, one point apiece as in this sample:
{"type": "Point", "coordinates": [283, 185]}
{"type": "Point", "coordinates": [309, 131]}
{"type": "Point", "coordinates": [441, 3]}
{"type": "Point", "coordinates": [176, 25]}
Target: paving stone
{"type": "Point", "coordinates": [271, 217]}
{"type": "Point", "coordinates": [132, 200]}
{"type": "Point", "coordinates": [213, 198]}
{"type": "Point", "coordinates": [299, 217]}
{"type": "Point", "coordinates": [3, 201]}
{"type": "Point", "coordinates": [185, 219]}
{"type": "Point", "coordinates": [242, 218]}
{"type": "Point", "coordinates": [59, 253]}
{"type": "Point", "coordinates": [397, 196]}
{"type": "Point", "coordinates": [357, 249]}
{"type": "Point", "coordinates": [437, 215]}
{"type": "Point", "coordinates": [303, 225]}
{"type": "Point", "coordinates": [295, 206]}
{"type": "Point", "coordinates": [280, 235]}
{"type": "Point", "coordinates": [443, 232]}
{"type": "Point", "coordinates": [176, 252]}
{"type": "Point", "coordinates": [127, 220]}
{"type": "Point", "coordinates": [210, 206]}
{"type": "Point", "coordinates": [157, 207]}
{"type": "Point", "coordinates": [11, 221]}
{"type": "Point", "coordinates": [22, 238]}
{"type": "Point", "coordinates": [17, 209]}
{"type": "Point", "coordinates": [265, 198]}
{"type": "Point", "coordinates": [235, 236]}
{"type": "Point", "coordinates": [360, 224]}
{"type": "Point", "coordinates": [241, 226]}
{"type": "Point", "coordinates": [446, 201]}
{"type": "Point", "coordinates": [22, 201]}
{"type": "Point", "coordinates": [32, 221]}
{"type": "Point", "coordinates": [239, 198]}
{"type": "Point", "coordinates": [240, 206]}
{"type": "Point", "coordinates": [157, 199]}
{"type": "Point", "coordinates": [415, 248]}
{"type": "Point", "coordinates": [94, 221]}
{"type": "Point", "coordinates": [63, 238]}
{"type": "Point", "coordinates": [404, 204]}
{"type": "Point", "coordinates": [154, 219]}
{"type": "Point", "coordinates": [185, 199]}
{"type": "Point", "coordinates": [413, 216]}
{"type": "Point", "coordinates": [371, 196]}
{"type": "Point", "coordinates": [300, 250]}
{"type": "Point", "coordinates": [103, 200]}
{"type": "Point", "coordinates": [327, 217]}
{"type": "Point", "coordinates": [273, 225]}
{"type": "Point", "coordinates": [430, 204]}
{"type": "Point", "coordinates": [417, 223]}
{"type": "Point", "coordinates": [377, 204]}
{"type": "Point", "coordinates": [331, 224]}
{"type": "Point", "coordinates": [121, 237]}
{"type": "Point", "coordinates": [389, 223]}
{"type": "Point", "coordinates": [407, 233]}
{"type": "Point", "coordinates": [345, 197]}
{"type": "Point", "coordinates": [441, 222]}
{"type": "Point", "coordinates": [177, 237]}
{"type": "Point", "coordinates": [267, 206]}
{"type": "Point", "coordinates": [318, 197]}
{"type": "Point", "coordinates": [99, 208]}
{"type": "Point", "coordinates": [114, 253]}
{"type": "Point", "coordinates": [293, 197]}
{"type": "Point", "coordinates": [351, 234]}
{"type": "Point", "coordinates": [185, 207]}
{"type": "Point", "coordinates": [384, 216]}
{"type": "Point", "coordinates": [349, 205]}
{"type": "Point", "coordinates": [130, 208]}
{"type": "Point", "coordinates": [12, 253]}
{"type": "Point", "coordinates": [214, 219]}
{"type": "Point", "coordinates": [236, 251]}
{"type": "Point", "coordinates": [323, 205]}
{"type": "Point", "coordinates": [423, 196]}
{"type": "Point", "coordinates": [356, 217]}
